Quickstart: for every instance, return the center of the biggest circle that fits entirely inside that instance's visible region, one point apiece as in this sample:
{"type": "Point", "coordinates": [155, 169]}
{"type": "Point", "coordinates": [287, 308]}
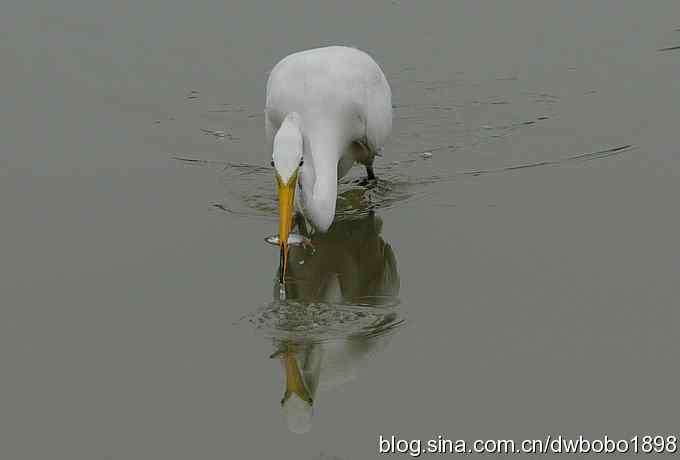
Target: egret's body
{"type": "Point", "coordinates": [326, 109]}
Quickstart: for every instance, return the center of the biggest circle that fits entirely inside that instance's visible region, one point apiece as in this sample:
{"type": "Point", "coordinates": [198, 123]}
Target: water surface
{"type": "Point", "coordinates": [520, 280]}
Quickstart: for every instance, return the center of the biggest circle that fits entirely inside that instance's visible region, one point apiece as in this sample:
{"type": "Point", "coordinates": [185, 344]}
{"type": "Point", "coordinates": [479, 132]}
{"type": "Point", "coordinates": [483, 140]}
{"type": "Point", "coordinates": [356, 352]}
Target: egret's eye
{"type": "Point", "coordinates": [272, 163]}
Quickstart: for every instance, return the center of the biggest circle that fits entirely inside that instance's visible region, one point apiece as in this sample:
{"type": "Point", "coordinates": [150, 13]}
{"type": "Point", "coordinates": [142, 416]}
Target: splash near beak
{"type": "Point", "coordinates": [286, 199]}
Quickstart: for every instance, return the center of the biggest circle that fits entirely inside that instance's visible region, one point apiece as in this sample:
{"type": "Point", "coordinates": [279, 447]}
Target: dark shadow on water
{"type": "Point", "coordinates": [341, 308]}
{"type": "Point", "coordinates": [351, 264]}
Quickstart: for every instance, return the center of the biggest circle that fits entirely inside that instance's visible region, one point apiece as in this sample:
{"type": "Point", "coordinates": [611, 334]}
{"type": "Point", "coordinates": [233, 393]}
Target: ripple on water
{"type": "Point", "coordinates": [250, 190]}
{"type": "Point", "coordinates": [321, 321]}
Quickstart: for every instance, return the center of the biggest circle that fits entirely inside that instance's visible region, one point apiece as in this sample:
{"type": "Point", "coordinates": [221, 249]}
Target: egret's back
{"type": "Point", "coordinates": [334, 82]}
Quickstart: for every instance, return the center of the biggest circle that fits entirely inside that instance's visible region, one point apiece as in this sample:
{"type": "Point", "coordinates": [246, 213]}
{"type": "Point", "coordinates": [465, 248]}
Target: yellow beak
{"type": "Point", "coordinates": [286, 199]}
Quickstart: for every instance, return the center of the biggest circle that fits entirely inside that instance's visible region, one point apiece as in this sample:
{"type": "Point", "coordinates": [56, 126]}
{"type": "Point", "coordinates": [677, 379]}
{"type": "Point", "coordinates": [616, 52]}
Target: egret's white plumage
{"type": "Point", "coordinates": [328, 108]}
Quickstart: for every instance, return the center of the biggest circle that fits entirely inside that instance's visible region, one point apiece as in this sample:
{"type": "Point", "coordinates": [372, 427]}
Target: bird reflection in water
{"type": "Point", "coordinates": [338, 308]}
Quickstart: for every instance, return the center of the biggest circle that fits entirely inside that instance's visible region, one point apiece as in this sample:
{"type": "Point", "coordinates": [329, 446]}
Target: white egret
{"type": "Point", "coordinates": [326, 108]}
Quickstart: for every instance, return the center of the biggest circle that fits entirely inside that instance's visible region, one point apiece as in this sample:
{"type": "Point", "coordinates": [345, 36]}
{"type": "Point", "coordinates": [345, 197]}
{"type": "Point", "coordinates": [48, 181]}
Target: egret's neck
{"type": "Point", "coordinates": [325, 147]}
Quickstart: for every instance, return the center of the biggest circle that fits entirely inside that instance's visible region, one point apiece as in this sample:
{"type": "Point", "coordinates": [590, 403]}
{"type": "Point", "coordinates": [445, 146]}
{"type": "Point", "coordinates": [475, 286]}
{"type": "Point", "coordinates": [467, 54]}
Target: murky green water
{"type": "Point", "coordinates": [523, 279]}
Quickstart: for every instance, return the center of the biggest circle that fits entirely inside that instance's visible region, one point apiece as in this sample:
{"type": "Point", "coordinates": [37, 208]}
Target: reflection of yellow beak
{"type": "Point", "coordinates": [286, 198]}
{"type": "Point", "coordinates": [295, 383]}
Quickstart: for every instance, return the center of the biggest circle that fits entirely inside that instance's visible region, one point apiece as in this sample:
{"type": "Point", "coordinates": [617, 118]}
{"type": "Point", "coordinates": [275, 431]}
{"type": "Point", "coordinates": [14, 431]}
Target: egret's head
{"type": "Point", "coordinates": [287, 159]}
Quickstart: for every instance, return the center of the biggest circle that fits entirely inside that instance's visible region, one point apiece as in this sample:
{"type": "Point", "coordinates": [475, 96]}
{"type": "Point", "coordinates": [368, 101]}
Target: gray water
{"type": "Point", "coordinates": [461, 296]}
